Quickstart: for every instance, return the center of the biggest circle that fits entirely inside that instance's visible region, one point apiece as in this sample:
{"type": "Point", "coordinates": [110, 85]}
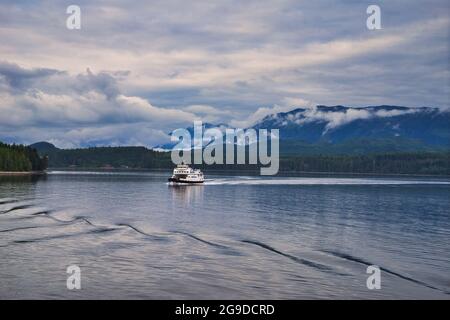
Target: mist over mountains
{"type": "Point", "coordinates": [348, 130]}
{"type": "Point", "coordinates": [378, 139]}
{"type": "Point", "coordinates": [339, 123]}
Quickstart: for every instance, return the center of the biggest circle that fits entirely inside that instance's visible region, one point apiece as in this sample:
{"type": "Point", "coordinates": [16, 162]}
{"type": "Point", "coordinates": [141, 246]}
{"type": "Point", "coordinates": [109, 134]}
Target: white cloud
{"type": "Point", "coordinates": [209, 113]}
{"type": "Point", "coordinates": [334, 119]}
{"type": "Point", "coordinates": [205, 109]}
{"type": "Point", "coordinates": [393, 113]}
{"type": "Point", "coordinates": [91, 109]}
{"type": "Point", "coordinates": [287, 104]}
{"type": "Point", "coordinates": [218, 63]}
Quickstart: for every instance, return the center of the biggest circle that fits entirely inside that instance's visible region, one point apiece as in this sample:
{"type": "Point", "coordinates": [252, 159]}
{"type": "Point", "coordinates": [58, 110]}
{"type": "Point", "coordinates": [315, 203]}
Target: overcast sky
{"type": "Point", "coordinates": [139, 69]}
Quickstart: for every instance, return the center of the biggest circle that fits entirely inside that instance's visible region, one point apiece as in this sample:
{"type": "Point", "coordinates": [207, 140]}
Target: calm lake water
{"type": "Point", "coordinates": [236, 237]}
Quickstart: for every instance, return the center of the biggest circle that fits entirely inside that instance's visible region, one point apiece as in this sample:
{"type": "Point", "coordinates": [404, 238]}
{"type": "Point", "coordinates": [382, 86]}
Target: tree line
{"type": "Point", "coordinates": [389, 163]}
{"type": "Point", "coordinates": [20, 158]}
{"type": "Point", "coordinates": [436, 163]}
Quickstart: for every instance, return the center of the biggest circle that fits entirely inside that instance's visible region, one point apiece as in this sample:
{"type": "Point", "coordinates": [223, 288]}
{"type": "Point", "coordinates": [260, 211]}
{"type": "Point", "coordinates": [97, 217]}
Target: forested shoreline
{"type": "Point", "coordinates": [423, 163]}
{"type": "Point", "coordinates": [19, 158]}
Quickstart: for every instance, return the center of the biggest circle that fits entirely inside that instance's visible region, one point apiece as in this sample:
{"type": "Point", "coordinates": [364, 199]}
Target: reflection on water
{"type": "Point", "coordinates": [22, 178]}
{"type": "Point", "coordinates": [134, 236]}
{"type": "Point", "coordinates": [186, 194]}
{"type": "Point", "coordinates": [20, 185]}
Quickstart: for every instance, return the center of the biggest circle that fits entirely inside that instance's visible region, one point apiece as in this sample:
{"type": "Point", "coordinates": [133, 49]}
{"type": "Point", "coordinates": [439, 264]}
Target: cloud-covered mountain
{"type": "Point", "coordinates": [336, 124]}
{"type": "Point", "coordinates": [170, 145]}
{"type": "Point", "coordinates": [341, 129]}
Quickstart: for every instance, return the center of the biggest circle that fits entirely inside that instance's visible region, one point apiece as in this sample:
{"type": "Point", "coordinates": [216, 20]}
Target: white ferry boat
{"type": "Point", "coordinates": [185, 174]}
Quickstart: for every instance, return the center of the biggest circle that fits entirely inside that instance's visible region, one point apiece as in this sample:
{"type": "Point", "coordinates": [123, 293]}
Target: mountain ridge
{"type": "Point", "coordinates": [347, 130]}
{"type": "Point", "coordinates": [399, 128]}
{"type": "Point", "coordinates": [339, 123]}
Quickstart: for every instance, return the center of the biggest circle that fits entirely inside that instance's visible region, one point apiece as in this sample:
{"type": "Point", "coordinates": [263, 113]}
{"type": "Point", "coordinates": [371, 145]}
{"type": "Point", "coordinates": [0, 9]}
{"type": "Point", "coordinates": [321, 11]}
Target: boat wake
{"type": "Point", "coordinates": [320, 181]}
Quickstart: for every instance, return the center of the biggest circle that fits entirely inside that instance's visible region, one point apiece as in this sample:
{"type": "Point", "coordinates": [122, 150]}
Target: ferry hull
{"type": "Point", "coordinates": [181, 181]}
